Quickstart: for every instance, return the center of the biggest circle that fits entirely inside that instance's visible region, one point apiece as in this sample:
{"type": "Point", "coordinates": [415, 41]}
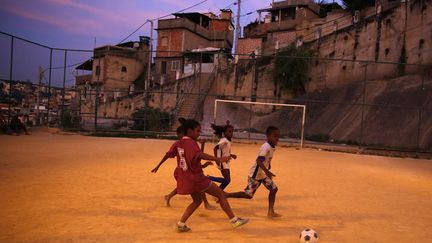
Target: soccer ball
{"type": "Point", "coordinates": [308, 235]}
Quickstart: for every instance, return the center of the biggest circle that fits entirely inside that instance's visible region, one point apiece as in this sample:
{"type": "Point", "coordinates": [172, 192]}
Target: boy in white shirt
{"type": "Point", "coordinates": [260, 172]}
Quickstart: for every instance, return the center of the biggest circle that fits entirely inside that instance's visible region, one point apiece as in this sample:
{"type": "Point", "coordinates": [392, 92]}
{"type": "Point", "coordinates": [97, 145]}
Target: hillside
{"type": "Point", "coordinates": [391, 116]}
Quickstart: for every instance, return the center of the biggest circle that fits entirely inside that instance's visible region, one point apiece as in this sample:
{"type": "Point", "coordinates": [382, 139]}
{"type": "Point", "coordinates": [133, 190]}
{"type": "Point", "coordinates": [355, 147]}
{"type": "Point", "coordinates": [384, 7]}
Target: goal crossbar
{"type": "Point", "coordinates": [303, 107]}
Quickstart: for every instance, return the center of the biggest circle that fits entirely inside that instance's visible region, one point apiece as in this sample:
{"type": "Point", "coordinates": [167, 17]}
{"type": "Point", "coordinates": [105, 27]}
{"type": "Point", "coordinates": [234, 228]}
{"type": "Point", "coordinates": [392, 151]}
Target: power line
{"type": "Point", "coordinates": [133, 32]}
{"type": "Point", "coordinates": [181, 10]}
{"type": "Point", "coordinates": [234, 3]}
{"type": "Point", "coordinates": [147, 21]}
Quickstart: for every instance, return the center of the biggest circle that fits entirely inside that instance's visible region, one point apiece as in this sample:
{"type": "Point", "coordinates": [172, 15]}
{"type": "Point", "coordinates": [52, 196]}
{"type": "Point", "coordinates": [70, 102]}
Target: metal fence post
{"type": "Point", "coordinates": [78, 92]}
{"type": "Point", "coordinates": [363, 106]}
{"type": "Point", "coordinates": [10, 79]}
{"type": "Point", "coordinates": [49, 87]}
{"type": "Point", "coordinates": [251, 97]}
{"type": "Point", "coordinates": [63, 90]}
{"type": "Point", "coordinates": [419, 129]}
{"type": "Point", "coordinates": [98, 71]}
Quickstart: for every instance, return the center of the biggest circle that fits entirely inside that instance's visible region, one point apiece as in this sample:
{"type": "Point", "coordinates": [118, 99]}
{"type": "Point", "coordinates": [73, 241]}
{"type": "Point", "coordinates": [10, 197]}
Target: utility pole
{"type": "Point", "coordinates": [238, 30]}
{"type": "Point", "coordinates": [150, 58]}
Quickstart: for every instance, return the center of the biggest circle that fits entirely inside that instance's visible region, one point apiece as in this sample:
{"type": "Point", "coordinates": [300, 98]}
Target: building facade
{"type": "Point", "coordinates": [284, 23]}
{"type": "Point", "coordinates": [115, 70]}
{"type": "Point", "coordinates": [187, 32]}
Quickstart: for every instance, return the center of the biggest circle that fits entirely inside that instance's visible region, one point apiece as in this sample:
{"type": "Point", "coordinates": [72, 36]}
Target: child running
{"type": "Point", "coordinates": [172, 152]}
{"type": "Point", "coordinates": [260, 172]}
{"type": "Point", "coordinates": [191, 179]}
{"type": "Point", "coordinates": [223, 149]}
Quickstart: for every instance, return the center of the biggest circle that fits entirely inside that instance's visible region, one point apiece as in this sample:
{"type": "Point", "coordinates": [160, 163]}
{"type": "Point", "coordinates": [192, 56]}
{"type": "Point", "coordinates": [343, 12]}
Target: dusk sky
{"type": "Point", "coordinates": [76, 23]}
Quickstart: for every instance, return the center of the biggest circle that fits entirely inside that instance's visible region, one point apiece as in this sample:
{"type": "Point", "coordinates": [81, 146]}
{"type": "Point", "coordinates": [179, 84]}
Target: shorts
{"type": "Point", "coordinates": [224, 166]}
{"type": "Point", "coordinates": [209, 185]}
{"type": "Point", "coordinates": [253, 185]}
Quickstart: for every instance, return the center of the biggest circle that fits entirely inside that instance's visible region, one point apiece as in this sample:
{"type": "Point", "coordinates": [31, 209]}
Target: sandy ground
{"type": "Point", "coordinates": [58, 188]}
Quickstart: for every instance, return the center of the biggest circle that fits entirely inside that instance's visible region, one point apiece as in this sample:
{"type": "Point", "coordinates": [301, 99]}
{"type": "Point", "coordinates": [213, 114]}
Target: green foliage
{"type": "Point", "coordinates": [3, 95]}
{"type": "Point", "coordinates": [66, 119]}
{"type": "Point", "coordinates": [17, 96]}
{"type": "Point", "coordinates": [323, 10]}
{"type": "Point", "coordinates": [291, 68]}
{"type": "Point", "coordinates": [353, 5]}
{"type": "Point", "coordinates": [149, 119]}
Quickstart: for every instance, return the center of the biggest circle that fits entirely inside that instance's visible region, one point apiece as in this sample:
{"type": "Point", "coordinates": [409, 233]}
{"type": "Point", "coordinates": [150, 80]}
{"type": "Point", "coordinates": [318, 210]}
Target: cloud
{"type": "Point", "coordinates": [63, 23]}
{"type": "Point", "coordinates": [176, 3]}
{"type": "Point", "coordinates": [82, 19]}
{"type": "Point", "coordinates": [97, 11]}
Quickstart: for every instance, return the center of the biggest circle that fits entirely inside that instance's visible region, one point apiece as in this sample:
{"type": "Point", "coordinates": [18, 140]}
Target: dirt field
{"type": "Point", "coordinates": [59, 188]}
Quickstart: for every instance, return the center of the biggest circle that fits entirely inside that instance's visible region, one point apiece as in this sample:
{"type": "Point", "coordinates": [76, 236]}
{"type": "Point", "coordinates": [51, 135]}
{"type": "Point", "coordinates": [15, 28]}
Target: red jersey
{"type": "Point", "coordinates": [191, 177]}
{"type": "Point", "coordinates": [172, 152]}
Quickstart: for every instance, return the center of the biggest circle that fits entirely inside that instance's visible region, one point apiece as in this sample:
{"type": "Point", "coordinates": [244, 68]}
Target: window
{"type": "Point", "coordinates": [164, 68]}
{"type": "Point", "coordinates": [97, 70]}
{"type": "Point", "coordinates": [124, 69]}
{"type": "Point", "coordinates": [388, 23]}
{"type": "Point", "coordinates": [387, 51]}
{"type": "Point", "coordinates": [175, 65]}
{"type": "Point", "coordinates": [421, 43]}
{"type": "Point", "coordinates": [164, 41]}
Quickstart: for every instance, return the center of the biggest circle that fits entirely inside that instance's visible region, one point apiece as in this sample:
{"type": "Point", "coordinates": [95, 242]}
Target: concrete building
{"type": "Point", "coordinates": [186, 32]}
{"type": "Point", "coordinates": [285, 23]}
{"type": "Point", "coordinates": [282, 16]}
{"type": "Point", "coordinates": [116, 70]}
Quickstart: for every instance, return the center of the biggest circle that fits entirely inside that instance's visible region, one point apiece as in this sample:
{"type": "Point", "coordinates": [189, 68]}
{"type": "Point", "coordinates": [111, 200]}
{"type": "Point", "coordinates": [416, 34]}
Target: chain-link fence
{"type": "Point", "coordinates": [352, 102]}
{"type": "Point", "coordinates": [38, 83]}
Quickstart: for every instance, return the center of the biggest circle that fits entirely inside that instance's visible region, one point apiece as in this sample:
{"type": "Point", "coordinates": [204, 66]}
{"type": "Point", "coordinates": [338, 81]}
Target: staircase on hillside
{"type": "Point", "coordinates": [190, 106]}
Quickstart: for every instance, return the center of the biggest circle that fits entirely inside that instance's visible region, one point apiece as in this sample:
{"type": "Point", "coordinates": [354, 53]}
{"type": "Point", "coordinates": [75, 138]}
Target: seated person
{"type": "Point", "coordinates": [17, 126]}
{"type": "Point", "coordinates": [4, 127]}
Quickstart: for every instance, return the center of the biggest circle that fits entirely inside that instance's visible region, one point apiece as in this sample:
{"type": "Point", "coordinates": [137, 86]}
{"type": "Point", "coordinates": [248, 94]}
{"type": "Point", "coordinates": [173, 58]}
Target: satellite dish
{"type": "Point", "coordinates": [136, 45]}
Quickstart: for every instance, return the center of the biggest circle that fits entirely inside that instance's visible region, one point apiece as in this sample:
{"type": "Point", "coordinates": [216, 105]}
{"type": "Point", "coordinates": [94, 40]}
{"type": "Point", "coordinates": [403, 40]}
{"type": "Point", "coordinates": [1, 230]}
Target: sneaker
{"type": "Point", "coordinates": [182, 228]}
{"type": "Point", "coordinates": [237, 222]}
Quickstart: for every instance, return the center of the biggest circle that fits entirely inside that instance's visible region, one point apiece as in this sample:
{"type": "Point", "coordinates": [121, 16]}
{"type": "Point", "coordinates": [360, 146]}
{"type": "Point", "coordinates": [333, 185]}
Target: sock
{"type": "Point", "coordinates": [181, 224]}
{"type": "Point", "coordinates": [217, 179]}
{"type": "Point", "coordinates": [234, 219]}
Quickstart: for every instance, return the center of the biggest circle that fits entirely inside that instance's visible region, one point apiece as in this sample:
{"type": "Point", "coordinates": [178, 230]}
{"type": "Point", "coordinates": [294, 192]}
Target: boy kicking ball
{"type": "Point", "coordinates": [260, 172]}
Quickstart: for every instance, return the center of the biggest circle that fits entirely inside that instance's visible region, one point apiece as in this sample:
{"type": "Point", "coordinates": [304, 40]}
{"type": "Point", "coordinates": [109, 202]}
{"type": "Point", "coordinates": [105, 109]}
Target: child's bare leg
{"type": "Point", "coordinates": [197, 200]}
{"type": "Point", "coordinates": [238, 195]}
{"type": "Point", "coordinates": [206, 203]}
{"type": "Point", "coordinates": [169, 196]}
{"type": "Point", "coordinates": [272, 199]}
{"type": "Point", "coordinates": [217, 192]}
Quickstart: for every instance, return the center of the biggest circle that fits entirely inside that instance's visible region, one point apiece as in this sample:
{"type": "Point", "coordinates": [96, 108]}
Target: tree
{"type": "Point", "coordinates": [3, 95]}
{"type": "Point", "coordinates": [353, 5]}
{"type": "Point", "coordinates": [17, 96]}
{"type": "Point", "coordinates": [149, 119]}
{"type": "Point", "coordinates": [291, 68]}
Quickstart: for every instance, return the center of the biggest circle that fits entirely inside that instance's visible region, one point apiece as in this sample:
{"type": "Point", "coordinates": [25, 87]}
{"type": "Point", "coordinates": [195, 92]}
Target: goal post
{"type": "Point", "coordinates": [302, 107]}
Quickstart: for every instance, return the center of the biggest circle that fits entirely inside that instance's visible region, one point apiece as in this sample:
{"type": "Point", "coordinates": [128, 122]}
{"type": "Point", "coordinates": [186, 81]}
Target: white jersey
{"type": "Point", "coordinates": [224, 148]}
{"type": "Point", "coordinates": [224, 151]}
{"type": "Point", "coordinates": [265, 154]}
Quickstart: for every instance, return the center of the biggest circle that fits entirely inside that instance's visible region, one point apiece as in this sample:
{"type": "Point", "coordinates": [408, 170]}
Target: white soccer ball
{"type": "Point", "coordinates": [308, 235]}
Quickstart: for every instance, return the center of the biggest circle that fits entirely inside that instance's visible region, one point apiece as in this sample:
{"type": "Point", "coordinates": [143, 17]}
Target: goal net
{"type": "Point", "coordinates": [251, 119]}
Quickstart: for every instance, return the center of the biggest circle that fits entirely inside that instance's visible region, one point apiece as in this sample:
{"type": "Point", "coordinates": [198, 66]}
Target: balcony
{"type": "Point", "coordinates": [262, 29]}
{"type": "Point", "coordinates": [183, 23]}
